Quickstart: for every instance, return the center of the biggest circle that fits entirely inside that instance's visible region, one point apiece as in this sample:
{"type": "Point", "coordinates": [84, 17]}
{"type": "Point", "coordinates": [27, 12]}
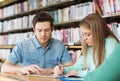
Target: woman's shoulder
{"type": "Point", "coordinates": [110, 39]}
{"type": "Point", "coordinates": [110, 42]}
{"type": "Point", "coordinates": [110, 45]}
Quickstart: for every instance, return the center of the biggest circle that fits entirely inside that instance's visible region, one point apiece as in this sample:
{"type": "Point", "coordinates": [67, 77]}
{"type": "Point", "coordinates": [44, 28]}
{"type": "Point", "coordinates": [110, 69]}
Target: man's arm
{"type": "Point", "coordinates": [11, 68]}
{"type": "Point", "coordinates": [69, 63]}
{"type": "Point", "coordinates": [7, 66]}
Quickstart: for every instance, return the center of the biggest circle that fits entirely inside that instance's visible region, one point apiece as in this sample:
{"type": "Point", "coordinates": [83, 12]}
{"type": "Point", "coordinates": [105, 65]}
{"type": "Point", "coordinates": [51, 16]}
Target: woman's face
{"type": "Point", "coordinates": [86, 35]}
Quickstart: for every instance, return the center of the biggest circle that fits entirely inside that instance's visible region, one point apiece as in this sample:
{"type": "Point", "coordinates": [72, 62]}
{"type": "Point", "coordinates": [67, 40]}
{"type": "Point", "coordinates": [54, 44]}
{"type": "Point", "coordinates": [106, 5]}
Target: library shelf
{"type": "Point", "coordinates": [67, 46]}
{"type": "Point", "coordinates": [6, 46]}
{"type": "Point", "coordinates": [112, 18]}
{"type": "Point", "coordinates": [74, 47]}
{"type": "Point", "coordinates": [17, 31]}
{"type": "Point", "coordinates": [9, 2]}
{"type": "Point", "coordinates": [51, 7]}
{"type": "Point", "coordinates": [67, 24]}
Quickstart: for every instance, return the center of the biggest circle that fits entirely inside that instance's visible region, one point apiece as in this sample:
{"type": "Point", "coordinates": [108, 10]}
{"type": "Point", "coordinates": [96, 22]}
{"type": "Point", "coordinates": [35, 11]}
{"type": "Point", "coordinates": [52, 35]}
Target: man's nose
{"type": "Point", "coordinates": [43, 33]}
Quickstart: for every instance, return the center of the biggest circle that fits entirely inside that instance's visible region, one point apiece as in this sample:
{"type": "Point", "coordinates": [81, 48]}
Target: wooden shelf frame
{"type": "Point", "coordinates": [9, 2]}
{"type": "Point", "coordinates": [6, 46]}
{"type": "Point", "coordinates": [112, 18]}
{"type": "Point", "coordinates": [67, 46]}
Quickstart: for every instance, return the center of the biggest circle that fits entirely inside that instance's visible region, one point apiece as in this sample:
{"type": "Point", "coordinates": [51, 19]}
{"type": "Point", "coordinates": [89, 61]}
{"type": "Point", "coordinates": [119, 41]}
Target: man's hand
{"type": "Point", "coordinates": [32, 69]}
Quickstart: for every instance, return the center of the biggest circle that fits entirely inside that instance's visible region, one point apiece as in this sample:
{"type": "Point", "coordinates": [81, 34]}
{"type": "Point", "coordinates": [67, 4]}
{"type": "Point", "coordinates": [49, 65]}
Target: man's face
{"type": "Point", "coordinates": [43, 32]}
{"type": "Point", "coordinates": [87, 36]}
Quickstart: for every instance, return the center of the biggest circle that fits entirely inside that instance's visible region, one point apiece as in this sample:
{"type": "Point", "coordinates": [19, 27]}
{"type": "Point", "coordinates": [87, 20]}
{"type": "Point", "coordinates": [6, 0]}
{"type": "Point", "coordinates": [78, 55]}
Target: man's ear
{"type": "Point", "coordinates": [33, 29]}
{"type": "Point", "coordinates": [52, 28]}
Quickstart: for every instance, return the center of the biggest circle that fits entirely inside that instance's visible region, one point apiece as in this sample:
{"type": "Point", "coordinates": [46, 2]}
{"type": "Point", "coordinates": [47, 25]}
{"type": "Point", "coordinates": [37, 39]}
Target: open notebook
{"type": "Point", "coordinates": [63, 78]}
{"type": "Point", "coordinates": [45, 75]}
{"type": "Point", "coordinates": [10, 78]}
{"type": "Point", "coordinates": [73, 78]}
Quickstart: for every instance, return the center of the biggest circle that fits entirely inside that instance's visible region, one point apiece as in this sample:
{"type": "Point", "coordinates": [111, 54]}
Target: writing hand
{"type": "Point", "coordinates": [58, 70]}
{"type": "Point", "coordinates": [70, 73]}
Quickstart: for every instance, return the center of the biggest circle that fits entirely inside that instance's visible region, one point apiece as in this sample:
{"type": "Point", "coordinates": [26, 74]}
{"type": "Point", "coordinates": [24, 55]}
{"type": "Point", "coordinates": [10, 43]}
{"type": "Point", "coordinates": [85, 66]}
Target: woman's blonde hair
{"type": "Point", "coordinates": [100, 31]}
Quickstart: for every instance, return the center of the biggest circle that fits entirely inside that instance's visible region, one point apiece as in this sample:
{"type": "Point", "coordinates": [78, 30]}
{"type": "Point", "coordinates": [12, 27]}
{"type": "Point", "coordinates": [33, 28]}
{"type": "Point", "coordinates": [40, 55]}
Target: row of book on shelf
{"type": "Point", "coordinates": [25, 6]}
{"type": "Point", "coordinates": [103, 7]}
{"type": "Point", "coordinates": [68, 35]}
{"type": "Point", "coordinates": [18, 23]}
{"type": "Point", "coordinates": [74, 54]}
{"type": "Point", "coordinates": [3, 54]}
{"type": "Point", "coordinates": [107, 7]}
{"type": "Point", "coordinates": [72, 13]}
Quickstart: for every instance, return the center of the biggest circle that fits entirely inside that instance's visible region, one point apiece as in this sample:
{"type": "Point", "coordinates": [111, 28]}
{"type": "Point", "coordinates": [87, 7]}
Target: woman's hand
{"type": "Point", "coordinates": [73, 72]}
{"type": "Point", "coordinates": [58, 70]}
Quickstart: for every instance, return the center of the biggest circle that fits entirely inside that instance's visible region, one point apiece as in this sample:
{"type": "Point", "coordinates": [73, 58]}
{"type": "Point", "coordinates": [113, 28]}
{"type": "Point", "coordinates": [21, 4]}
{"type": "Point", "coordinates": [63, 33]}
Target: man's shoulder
{"type": "Point", "coordinates": [56, 41]}
{"type": "Point", "coordinates": [25, 42]}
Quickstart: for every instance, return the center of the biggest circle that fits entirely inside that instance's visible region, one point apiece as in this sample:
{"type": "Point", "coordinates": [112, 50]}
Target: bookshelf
{"type": "Point", "coordinates": [6, 46]}
{"type": "Point", "coordinates": [57, 25]}
{"type": "Point", "coordinates": [51, 7]}
{"type": "Point", "coordinates": [9, 2]}
{"type": "Point", "coordinates": [11, 46]}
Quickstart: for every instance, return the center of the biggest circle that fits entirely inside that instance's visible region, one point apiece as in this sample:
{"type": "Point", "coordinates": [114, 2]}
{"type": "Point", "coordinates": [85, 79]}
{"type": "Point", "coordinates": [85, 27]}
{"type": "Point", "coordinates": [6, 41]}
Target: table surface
{"type": "Point", "coordinates": [15, 77]}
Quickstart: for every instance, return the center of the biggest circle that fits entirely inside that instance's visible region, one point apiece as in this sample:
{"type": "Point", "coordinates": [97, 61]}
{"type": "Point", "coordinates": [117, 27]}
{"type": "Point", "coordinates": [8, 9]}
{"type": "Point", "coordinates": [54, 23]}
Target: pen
{"type": "Point", "coordinates": [60, 65]}
{"type": "Point", "coordinates": [58, 62]}
{"type": "Point", "coordinates": [74, 76]}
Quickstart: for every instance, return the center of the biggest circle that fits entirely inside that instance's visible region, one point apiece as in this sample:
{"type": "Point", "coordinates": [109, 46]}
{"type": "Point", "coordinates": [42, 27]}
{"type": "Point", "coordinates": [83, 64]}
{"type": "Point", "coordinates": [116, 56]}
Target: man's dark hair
{"type": "Point", "coordinates": [41, 17]}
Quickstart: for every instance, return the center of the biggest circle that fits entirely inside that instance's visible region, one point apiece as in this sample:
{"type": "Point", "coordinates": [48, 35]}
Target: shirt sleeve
{"type": "Point", "coordinates": [110, 45]}
{"type": "Point", "coordinates": [109, 70]}
{"type": "Point", "coordinates": [15, 55]}
{"type": "Point", "coordinates": [66, 56]}
{"type": "Point", "coordinates": [77, 66]}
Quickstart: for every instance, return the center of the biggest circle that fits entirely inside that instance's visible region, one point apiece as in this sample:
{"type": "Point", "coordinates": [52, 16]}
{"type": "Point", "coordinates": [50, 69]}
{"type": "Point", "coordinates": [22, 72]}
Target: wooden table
{"type": "Point", "coordinates": [15, 77]}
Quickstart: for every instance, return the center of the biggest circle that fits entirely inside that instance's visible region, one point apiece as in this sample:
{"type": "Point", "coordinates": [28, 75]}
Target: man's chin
{"type": "Point", "coordinates": [43, 42]}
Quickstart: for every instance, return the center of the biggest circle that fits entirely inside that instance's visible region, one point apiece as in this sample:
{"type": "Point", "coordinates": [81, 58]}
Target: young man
{"type": "Point", "coordinates": [39, 54]}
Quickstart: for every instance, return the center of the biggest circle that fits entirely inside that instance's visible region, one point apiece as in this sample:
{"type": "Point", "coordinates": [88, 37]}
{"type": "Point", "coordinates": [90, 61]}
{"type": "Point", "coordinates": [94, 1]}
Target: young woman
{"type": "Point", "coordinates": [98, 43]}
{"type": "Point", "coordinates": [109, 70]}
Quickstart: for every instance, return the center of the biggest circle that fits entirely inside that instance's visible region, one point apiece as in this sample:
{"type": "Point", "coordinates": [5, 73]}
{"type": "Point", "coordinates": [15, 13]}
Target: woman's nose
{"type": "Point", "coordinates": [84, 37]}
